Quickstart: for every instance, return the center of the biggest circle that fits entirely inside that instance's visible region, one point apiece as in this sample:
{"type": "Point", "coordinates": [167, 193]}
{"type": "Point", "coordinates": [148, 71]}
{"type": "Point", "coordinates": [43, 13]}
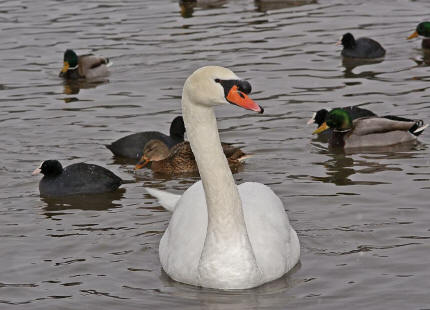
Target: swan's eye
{"type": "Point", "coordinates": [217, 81]}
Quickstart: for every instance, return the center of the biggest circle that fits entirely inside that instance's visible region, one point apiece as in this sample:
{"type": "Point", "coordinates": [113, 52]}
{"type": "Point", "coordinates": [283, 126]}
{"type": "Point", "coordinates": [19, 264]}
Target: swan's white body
{"type": "Point", "coordinates": [221, 235]}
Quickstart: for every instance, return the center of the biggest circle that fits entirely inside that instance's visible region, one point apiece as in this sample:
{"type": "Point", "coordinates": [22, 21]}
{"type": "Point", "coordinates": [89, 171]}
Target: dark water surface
{"type": "Point", "coordinates": [363, 219]}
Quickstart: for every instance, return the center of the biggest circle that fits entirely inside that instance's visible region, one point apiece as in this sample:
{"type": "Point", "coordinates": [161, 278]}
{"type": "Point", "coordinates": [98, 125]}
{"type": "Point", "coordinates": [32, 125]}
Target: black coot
{"type": "Point", "coordinates": [360, 48]}
{"type": "Point", "coordinates": [132, 146]}
{"type": "Point", "coordinates": [75, 179]}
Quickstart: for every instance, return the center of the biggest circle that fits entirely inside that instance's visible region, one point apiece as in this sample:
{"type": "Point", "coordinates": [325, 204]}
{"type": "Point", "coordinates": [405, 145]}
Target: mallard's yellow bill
{"type": "Point", "coordinates": [142, 163]}
{"type": "Point", "coordinates": [414, 35]}
{"type": "Point", "coordinates": [65, 67]}
{"type": "Point", "coordinates": [321, 128]}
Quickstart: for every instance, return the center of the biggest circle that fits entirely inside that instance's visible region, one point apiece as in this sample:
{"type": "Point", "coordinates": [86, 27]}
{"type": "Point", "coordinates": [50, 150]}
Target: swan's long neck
{"type": "Point", "coordinates": [227, 255]}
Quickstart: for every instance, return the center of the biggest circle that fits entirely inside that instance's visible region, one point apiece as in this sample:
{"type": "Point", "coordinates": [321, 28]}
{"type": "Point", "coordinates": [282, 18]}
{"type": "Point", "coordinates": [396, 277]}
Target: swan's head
{"type": "Point", "coordinates": [213, 85]}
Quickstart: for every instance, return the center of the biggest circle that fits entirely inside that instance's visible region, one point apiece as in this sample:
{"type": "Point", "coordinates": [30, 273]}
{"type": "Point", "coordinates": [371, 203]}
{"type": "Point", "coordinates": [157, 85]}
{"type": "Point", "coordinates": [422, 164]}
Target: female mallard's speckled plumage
{"type": "Point", "coordinates": [369, 131]}
{"type": "Point", "coordinates": [180, 158]}
{"type": "Point", "coordinates": [360, 48]}
{"type": "Point", "coordinates": [84, 66]}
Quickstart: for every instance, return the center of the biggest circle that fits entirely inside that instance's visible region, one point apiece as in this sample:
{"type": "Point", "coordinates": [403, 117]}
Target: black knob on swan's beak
{"type": "Point", "coordinates": [244, 86]}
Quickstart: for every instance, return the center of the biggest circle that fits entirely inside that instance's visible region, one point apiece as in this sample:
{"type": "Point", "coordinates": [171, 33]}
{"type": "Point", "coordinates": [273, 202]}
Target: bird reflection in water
{"type": "Point", "coordinates": [257, 298]}
{"type": "Point", "coordinates": [351, 63]}
{"type": "Point", "coordinates": [73, 87]}
{"type": "Point", "coordinates": [94, 202]}
{"type": "Point", "coordinates": [188, 6]}
{"type": "Point", "coordinates": [425, 59]}
{"type": "Point", "coordinates": [341, 166]}
{"type": "Point", "coordinates": [267, 5]}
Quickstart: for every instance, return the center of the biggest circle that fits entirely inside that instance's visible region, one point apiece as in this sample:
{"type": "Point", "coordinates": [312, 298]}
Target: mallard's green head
{"type": "Point", "coordinates": [70, 60]}
{"type": "Point", "coordinates": [423, 29]}
{"type": "Point", "coordinates": [337, 119]}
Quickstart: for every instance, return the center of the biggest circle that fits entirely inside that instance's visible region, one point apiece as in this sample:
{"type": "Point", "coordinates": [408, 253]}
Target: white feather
{"type": "Point", "coordinates": [166, 199]}
{"type": "Point", "coordinates": [421, 128]}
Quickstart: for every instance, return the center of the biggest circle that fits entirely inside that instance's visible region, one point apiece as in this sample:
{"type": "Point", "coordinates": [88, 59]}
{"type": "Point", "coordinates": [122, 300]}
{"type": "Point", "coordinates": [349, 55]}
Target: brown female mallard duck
{"type": "Point", "coordinates": [180, 158]}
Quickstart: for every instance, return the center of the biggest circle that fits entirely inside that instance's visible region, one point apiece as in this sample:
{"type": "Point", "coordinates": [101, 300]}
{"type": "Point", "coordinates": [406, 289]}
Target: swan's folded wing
{"type": "Point", "coordinates": [166, 199]}
{"type": "Point", "coordinates": [365, 126]}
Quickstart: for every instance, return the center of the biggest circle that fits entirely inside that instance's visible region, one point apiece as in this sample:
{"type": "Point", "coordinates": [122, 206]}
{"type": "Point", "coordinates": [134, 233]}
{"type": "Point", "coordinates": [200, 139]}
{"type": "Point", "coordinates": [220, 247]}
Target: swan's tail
{"type": "Point", "coordinates": [167, 200]}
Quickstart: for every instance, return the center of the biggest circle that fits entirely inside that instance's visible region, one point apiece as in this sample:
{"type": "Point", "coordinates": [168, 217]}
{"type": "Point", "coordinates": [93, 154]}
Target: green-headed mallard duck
{"type": "Point", "coordinates": [320, 117]}
{"type": "Point", "coordinates": [423, 29]}
{"type": "Point", "coordinates": [360, 48]}
{"type": "Point", "coordinates": [180, 158]}
{"type": "Point", "coordinates": [369, 131]}
{"type": "Point", "coordinates": [132, 146]}
{"type": "Point", "coordinates": [354, 112]}
{"type": "Point", "coordinates": [84, 67]}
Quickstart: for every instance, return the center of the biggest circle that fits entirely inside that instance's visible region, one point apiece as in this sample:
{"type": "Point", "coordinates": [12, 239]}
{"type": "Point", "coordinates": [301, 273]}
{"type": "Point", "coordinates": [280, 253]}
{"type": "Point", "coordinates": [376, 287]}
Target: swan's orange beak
{"type": "Point", "coordinates": [142, 163]}
{"type": "Point", "coordinates": [237, 97]}
{"type": "Point", "coordinates": [321, 128]}
{"type": "Point", "coordinates": [414, 35]}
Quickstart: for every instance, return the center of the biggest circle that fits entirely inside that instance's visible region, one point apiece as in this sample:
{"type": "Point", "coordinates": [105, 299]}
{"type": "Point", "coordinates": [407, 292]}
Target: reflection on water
{"type": "Point", "coordinates": [425, 60]}
{"type": "Point", "coordinates": [72, 87]}
{"type": "Point", "coordinates": [188, 6]}
{"type": "Point", "coordinates": [351, 63]}
{"type": "Point", "coordinates": [341, 166]}
{"type": "Point", "coordinates": [96, 202]}
{"type": "Point", "coordinates": [244, 299]}
{"type": "Point", "coordinates": [266, 5]}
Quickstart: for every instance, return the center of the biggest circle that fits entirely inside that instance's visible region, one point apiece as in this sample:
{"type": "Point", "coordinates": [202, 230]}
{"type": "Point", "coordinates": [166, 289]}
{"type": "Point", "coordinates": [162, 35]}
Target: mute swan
{"type": "Point", "coordinates": [221, 235]}
{"type": "Point", "coordinates": [180, 158]}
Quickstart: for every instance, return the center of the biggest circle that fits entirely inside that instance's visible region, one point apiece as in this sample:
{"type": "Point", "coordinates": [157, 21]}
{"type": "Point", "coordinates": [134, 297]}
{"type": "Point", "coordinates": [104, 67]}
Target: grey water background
{"type": "Point", "coordinates": [363, 219]}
